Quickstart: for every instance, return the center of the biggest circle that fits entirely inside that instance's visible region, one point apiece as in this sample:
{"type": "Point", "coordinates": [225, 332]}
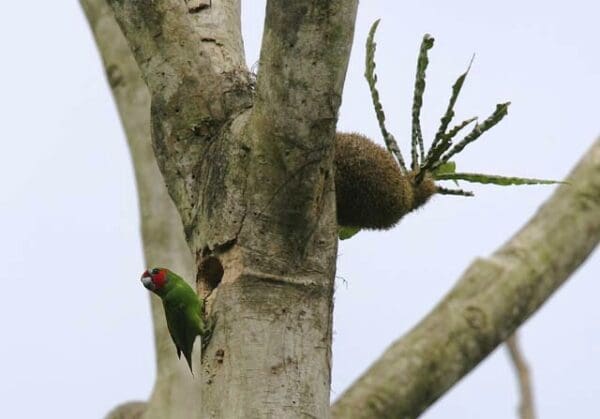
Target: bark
{"type": "Point", "coordinates": [492, 298]}
{"type": "Point", "coordinates": [130, 410]}
{"type": "Point", "coordinates": [250, 173]}
{"type": "Point", "coordinates": [163, 241]}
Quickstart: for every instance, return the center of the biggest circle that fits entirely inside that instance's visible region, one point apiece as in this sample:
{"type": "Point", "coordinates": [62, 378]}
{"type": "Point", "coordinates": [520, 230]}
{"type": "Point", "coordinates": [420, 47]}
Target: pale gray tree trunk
{"type": "Point", "coordinates": [250, 173]}
{"type": "Point", "coordinates": [249, 170]}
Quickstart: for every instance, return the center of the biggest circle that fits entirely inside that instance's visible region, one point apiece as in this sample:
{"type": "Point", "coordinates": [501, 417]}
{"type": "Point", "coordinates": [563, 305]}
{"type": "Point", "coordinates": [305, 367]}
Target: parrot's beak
{"type": "Point", "coordinates": [147, 281]}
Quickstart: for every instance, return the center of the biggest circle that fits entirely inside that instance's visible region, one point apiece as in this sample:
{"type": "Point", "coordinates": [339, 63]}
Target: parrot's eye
{"type": "Point", "coordinates": [155, 271]}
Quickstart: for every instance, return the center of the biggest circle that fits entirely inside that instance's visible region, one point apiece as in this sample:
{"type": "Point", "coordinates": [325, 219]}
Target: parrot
{"type": "Point", "coordinates": [184, 311]}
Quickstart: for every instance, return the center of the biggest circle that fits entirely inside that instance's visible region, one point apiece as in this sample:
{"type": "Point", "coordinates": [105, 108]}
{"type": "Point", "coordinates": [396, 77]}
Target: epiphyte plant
{"type": "Point", "coordinates": [435, 164]}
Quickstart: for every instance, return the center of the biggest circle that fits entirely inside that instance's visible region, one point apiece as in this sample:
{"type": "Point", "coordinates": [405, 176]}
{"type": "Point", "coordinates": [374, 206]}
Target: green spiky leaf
{"type": "Point", "coordinates": [500, 112]}
{"type": "Point", "coordinates": [448, 167]}
{"type": "Point", "coordinates": [435, 152]}
{"type": "Point", "coordinates": [447, 117]}
{"type": "Point", "coordinates": [345, 233]}
{"type": "Point", "coordinates": [388, 138]}
{"type": "Point", "coordinates": [417, 136]}
{"type": "Point", "coordinates": [456, 129]}
{"type": "Point", "coordinates": [494, 179]}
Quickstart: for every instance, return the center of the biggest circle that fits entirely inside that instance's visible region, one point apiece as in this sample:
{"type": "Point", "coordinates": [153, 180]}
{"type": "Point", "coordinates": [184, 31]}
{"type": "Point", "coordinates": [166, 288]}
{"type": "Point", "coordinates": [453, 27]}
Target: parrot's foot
{"type": "Point", "coordinates": [211, 321]}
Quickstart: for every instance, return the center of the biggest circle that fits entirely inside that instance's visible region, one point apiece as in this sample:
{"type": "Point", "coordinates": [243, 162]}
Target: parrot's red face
{"type": "Point", "coordinates": [154, 279]}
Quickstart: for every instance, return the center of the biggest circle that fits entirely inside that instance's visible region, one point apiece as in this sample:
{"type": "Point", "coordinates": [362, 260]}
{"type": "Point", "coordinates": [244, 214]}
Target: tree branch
{"type": "Point", "coordinates": [303, 61]}
{"type": "Point", "coordinates": [526, 405]}
{"type": "Point", "coordinates": [193, 64]}
{"type": "Point", "coordinates": [304, 56]}
{"type": "Point", "coordinates": [174, 393]}
{"type": "Point", "coordinates": [492, 298]}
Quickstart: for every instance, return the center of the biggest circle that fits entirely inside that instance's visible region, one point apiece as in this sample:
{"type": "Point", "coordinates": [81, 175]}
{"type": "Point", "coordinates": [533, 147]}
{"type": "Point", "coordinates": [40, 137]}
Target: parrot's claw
{"type": "Point", "coordinates": [211, 321]}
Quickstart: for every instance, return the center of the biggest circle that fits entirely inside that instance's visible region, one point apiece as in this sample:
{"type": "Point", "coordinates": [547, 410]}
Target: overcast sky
{"type": "Point", "coordinates": [77, 338]}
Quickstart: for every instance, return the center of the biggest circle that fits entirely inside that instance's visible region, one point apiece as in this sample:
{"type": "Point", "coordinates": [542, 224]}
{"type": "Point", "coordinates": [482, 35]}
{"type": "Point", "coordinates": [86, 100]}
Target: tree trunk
{"type": "Point", "coordinates": [250, 173]}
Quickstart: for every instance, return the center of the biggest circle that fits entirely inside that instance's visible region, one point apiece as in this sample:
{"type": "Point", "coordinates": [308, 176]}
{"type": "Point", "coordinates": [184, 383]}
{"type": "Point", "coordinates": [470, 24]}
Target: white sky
{"type": "Point", "coordinates": [75, 319]}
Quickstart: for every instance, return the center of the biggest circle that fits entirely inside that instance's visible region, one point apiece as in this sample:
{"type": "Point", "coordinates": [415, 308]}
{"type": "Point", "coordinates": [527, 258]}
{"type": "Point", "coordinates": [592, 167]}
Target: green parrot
{"type": "Point", "coordinates": [183, 309]}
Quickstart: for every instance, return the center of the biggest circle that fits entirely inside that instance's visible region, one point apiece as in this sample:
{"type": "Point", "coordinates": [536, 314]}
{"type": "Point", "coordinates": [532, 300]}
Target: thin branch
{"type": "Point", "coordinates": [491, 299]}
{"type": "Point", "coordinates": [527, 405]}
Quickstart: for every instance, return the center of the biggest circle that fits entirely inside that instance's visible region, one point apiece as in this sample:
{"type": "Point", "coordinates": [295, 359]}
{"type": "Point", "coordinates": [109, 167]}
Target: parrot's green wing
{"type": "Point", "coordinates": [190, 332]}
{"type": "Point", "coordinates": [182, 311]}
{"type": "Point", "coordinates": [174, 313]}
